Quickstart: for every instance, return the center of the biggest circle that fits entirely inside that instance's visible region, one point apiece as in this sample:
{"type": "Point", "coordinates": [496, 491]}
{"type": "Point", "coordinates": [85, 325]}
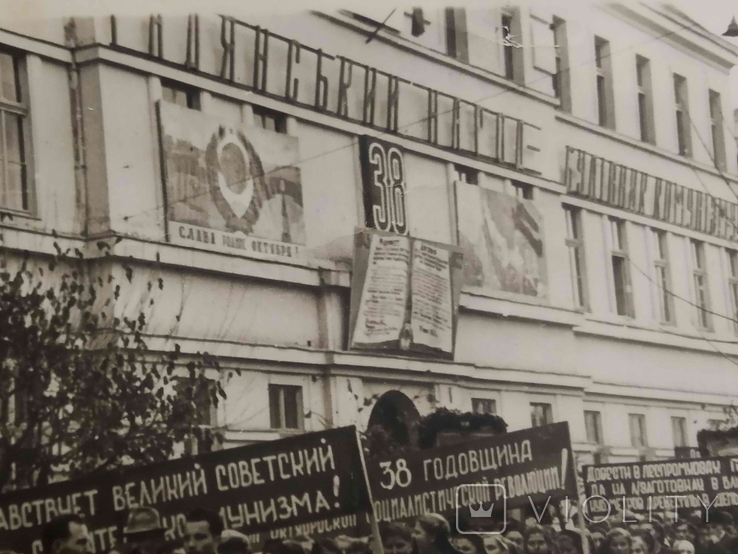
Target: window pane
{"type": "Point", "coordinates": [679, 430]}
{"type": "Point", "coordinates": [14, 137]}
{"type": "Point", "coordinates": [620, 281]}
{"type": "Point", "coordinates": [593, 425]}
{"type": "Point", "coordinates": [275, 419]}
{"type": "Point", "coordinates": [484, 406]}
{"type": "Point", "coordinates": [291, 407]}
{"type": "Point", "coordinates": [638, 437]}
{"type": "Point", "coordinates": [9, 89]}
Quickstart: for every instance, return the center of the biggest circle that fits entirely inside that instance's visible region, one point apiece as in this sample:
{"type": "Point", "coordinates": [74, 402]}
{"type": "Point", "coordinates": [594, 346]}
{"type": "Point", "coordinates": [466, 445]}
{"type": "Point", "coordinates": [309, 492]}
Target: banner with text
{"type": "Point", "coordinates": [532, 465]}
{"type": "Point", "coordinates": [300, 485]}
{"type": "Point", "coordinates": [231, 188]}
{"type": "Point", "coordinates": [662, 486]}
{"type": "Point", "coordinates": [404, 294]}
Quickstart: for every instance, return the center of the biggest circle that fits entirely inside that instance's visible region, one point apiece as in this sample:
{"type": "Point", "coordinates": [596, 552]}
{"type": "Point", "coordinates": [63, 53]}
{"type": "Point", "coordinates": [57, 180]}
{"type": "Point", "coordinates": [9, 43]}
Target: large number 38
{"type": "Point", "coordinates": [389, 177]}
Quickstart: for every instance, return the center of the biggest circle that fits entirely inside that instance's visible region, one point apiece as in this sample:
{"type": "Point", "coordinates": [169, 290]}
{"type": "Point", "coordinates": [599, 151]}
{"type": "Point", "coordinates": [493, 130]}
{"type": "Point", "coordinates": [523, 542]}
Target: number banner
{"type": "Point", "coordinates": [531, 465]}
{"type": "Point", "coordinates": [404, 294]}
{"type": "Point", "coordinates": [311, 483]}
{"type": "Point", "coordinates": [662, 486]}
{"type": "Point", "coordinates": [385, 191]}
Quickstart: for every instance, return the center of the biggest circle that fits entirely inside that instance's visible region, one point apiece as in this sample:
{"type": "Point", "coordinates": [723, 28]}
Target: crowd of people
{"type": "Point", "coordinates": [431, 534]}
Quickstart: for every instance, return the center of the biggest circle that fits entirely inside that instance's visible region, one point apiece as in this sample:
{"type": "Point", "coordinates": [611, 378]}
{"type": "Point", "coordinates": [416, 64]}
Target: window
{"type": "Point", "coordinates": [679, 430]}
{"type": "Point", "coordinates": [467, 174]}
{"type": "Point", "coordinates": [620, 272]}
{"type": "Point", "coordinates": [456, 38]}
{"type": "Point", "coordinates": [716, 424]}
{"type": "Point", "coordinates": [699, 280]}
{"type": "Point", "coordinates": [540, 414]}
{"type": "Point", "coordinates": [575, 242]}
{"type": "Point", "coordinates": [484, 406]}
{"type": "Point", "coordinates": [716, 127]}
{"type": "Point", "coordinates": [684, 136]}
{"type": "Point", "coordinates": [285, 407]}
{"type": "Point", "coordinates": [522, 190]}
{"type": "Point", "coordinates": [14, 175]}
{"type": "Point", "coordinates": [733, 286]}
{"type": "Point", "coordinates": [645, 100]}
{"type": "Point", "coordinates": [270, 119]}
{"type": "Point", "coordinates": [663, 276]}
{"type": "Point", "coordinates": [180, 94]}
{"type": "Point", "coordinates": [638, 436]}
{"type": "Point", "coordinates": [508, 54]}
{"type": "Point", "coordinates": [561, 81]}
{"type": "Point", "coordinates": [593, 428]}
{"type": "Point", "coordinates": [605, 100]}
{"type": "Point", "coordinates": [205, 416]}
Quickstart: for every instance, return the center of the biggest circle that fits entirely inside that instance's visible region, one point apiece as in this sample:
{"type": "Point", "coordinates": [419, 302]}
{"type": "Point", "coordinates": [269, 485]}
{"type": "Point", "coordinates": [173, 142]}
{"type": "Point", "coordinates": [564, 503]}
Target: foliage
{"type": "Point", "coordinates": [80, 392]}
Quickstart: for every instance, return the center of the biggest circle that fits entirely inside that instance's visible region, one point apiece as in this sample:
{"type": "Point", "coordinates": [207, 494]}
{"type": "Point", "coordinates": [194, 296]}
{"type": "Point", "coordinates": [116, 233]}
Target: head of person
{"type": "Point", "coordinates": [684, 531]}
{"type": "Point", "coordinates": [397, 538]}
{"type": "Point", "coordinates": [683, 547]}
{"type": "Point", "coordinates": [432, 534]}
{"type": "Point", "coordinates": [598, 534]}
{"type": "Point", "coordinates": [66, 533]}
{"type": "Point", "coordinates": [617, 541]}
{"type": "Point", "coordinates": [569, 542]}
{"type": "Point", "coordinates": [202, 531]}
{"type": "Point", "coordinates": [496, 544]}
{"type": "Point", "coordinates": [717, 524]}
{"type": "Point", "coordinates": [536, 540]}
{"type": "Point", "coordinates": [144, 528]}
{"type": "Point", "coordinates": [655, 529]}
{"type": "Point", "coordinates": [643, 542]}
{"type": "Point", "coordinates": [234, 545]}
{"type": "Point", "coordinates": [515, 537]}
{"type": "Point", "coordinates": [468, 543]}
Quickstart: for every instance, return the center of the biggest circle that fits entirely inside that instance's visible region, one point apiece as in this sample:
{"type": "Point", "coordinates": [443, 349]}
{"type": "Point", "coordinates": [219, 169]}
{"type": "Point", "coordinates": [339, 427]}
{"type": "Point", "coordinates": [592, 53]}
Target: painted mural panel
{"type": "Point", "coordinates": [502, 238]}
{"type": "Point", "coordinates": [231, 188]}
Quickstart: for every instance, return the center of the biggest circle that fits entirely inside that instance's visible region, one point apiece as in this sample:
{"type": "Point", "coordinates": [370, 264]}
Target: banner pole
{"type": "Point", "coordinates": [377, 548]}
{"type": "Point", "coordinates": [582, 526]}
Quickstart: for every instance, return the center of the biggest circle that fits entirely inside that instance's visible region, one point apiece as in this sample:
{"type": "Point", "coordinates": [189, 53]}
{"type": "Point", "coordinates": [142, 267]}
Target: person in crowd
{"type": "Point", "coordinates": [656, 530]}
{"type": "Point", "coordinates": [66, 534]}
{"type": "Point", "coordinates": [202, 531]}
{"type": "Point", "coordinates": [397, 538]}
{"type": "Point", "coordinates": [617, 541]}
{"type": "Point", "coordinates": [684, 531]}
{"type": "Point", "coordinates": [716, 525]}
{"type": "Point", "coordinates": [683, 546]}
{"type": "Point", "coordinates": [432, 535]}
{"type": "Point", "coordinates": [536, 541]}
{"type": "Point", "coordinates": [597, 532]}
{"type": "Point", "coordinates": [468, 543]}
{"type": "Point", "coordinates": [569, 541]}
{"type": "Point", "coordinates": [514, 535]}
{"type": "Point", "coordinates": [327, 545]}
{"type": "Point", "coordinates": [143, 533]}
{"type": "Point", "coordinates": [497, 544]}
{"type": "Point", "coordinates": [643, 542]}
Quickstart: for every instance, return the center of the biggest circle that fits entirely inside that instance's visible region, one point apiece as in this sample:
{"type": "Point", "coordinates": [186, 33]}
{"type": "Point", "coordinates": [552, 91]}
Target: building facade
{"type": "Point", "coordinates": [580, 157]}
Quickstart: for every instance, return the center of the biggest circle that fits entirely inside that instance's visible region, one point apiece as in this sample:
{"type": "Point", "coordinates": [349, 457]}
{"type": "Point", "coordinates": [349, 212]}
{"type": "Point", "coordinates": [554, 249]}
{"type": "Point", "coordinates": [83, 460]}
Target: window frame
{"type": "Point", "coordinates": [732, 262]}
{"type": "Point", "coordinates": [662, 270]}
{"type": "Point", "coordinates": [679, 423]}
{"type": "Point", "coordinates": [577, 259]}
{"type": "Point", "coordinates": [642, 426]}
{"type": "Point", "coordinates": [547, 413]}
{"type": "Point", "coordinates": [619, 252]}
{"type": "Point", "coordinates": [716, 129]}
{"type": "Point", "coordinates": [683, 122]}
{"type": "Point", "coordinates": [280, 389]}
{"type": "Point", "coordinates": [701, 292]}
{"type": "Point", "coordinates": [604, 84]}
{"type": "Point", "coordinates": [481, 402]}
{"type": "Point", "coordinates": [263, 113]}
{"type": "Point", "coordinates": [22, 109]}
{"type": "Point", "coordinates": [193, 96]}
{"type": "Point", "coordinates": [645, 100]}
{"type": "Point", "coordinates": [561, 80]}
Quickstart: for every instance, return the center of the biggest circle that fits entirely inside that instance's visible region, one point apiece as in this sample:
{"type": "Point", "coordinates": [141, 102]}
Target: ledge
{"type": "Point", "coordinates": [662, 394]}
{"type": "Point", "coordinates": [37, 46]}
{"type": "Point", "coordinates": [624, 139]}
{"type": "Point", "coordinates": [405, 44]}
{"type": "Point", "coordinates": [519, 308]}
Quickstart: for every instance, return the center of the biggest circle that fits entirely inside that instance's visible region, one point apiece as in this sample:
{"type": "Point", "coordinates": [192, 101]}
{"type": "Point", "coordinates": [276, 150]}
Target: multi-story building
{"type": "Point", "coordinates": [580, 156]}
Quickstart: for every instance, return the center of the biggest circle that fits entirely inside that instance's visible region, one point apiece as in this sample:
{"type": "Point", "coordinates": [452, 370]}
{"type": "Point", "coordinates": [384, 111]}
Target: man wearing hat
{"type": "Point", "coordinates": [143, 534]}
{"type": "Point", "coordinates": [717, 524]}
